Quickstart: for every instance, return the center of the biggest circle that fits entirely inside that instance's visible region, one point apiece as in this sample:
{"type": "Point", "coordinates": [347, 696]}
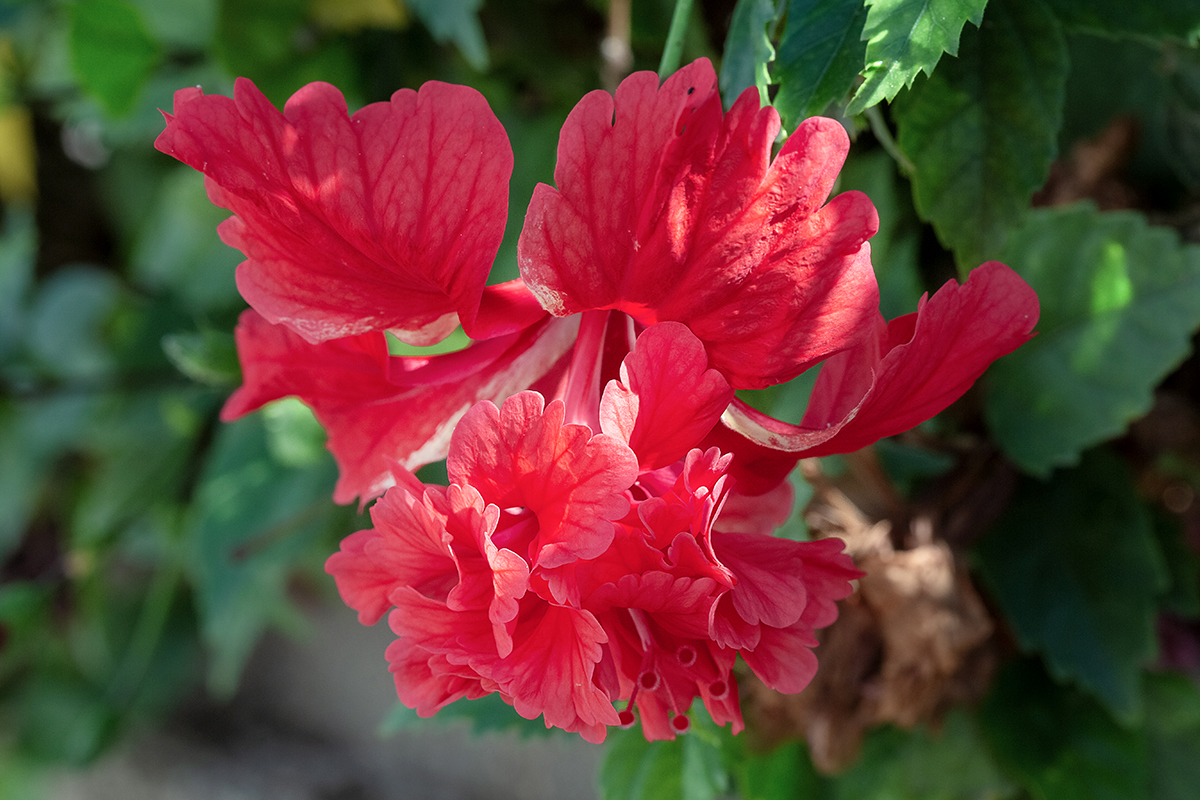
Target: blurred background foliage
{"type": "Point", "coordinates": [145, 547]}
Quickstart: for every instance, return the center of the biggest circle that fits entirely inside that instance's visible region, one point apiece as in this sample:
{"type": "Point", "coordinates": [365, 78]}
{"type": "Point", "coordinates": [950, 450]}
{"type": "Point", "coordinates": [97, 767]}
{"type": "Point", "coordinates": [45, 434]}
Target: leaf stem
{"type": "Point", "coordinates": [673, 50]}
{"type": "Point", "coordinates": [886, 141]}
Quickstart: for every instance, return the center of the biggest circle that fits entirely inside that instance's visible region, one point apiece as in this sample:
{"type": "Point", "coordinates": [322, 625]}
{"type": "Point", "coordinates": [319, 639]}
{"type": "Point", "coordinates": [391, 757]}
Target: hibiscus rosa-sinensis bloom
{"type": "Point", "coordinates": [603, 552]}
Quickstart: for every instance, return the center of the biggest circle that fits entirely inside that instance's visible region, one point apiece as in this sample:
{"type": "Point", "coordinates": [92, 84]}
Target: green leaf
{"type": "Point", "coordinates": [486, 714]}
{"type": "Point", "coordinates": [1173, 736]}
{"type": "Point", "coordinates": [820, 56]}
{"type": "Point", "coordinates": [176, 250]}
{"type": "Point", "coordinates": [905, 37]}
{"type": "Point", "coordinates": [688, 768]}
{"type": "Point", "coordinates": [208, 357]}
{"type": "Point", "coordinates": [894, 248]}
{"type": "Point", "coordinates": [1119, 303]}
{"type": "Point", "coordinates": [952, 764]}
{"type": "Point", "coordinates": [253, 522]}
{"type": "Point", "coordinates": [748, 50]}
{"type": "Point", "coordinates": [455, 21]}
{"type": "Point", "coordinates": [785, 773]}
{"type": "Point", "coordinates": [67, 321]}
{"type": "Point", "coordinates": [1160, 19]}
{"type": "Point", "coordinates": [1058, 743]}
{"type": "Point", "coordinates": [112, 54]}
{"type": "Point", "coordinates": [981, 132]}
{"type": "Point", "coordinates": [1075, 567]}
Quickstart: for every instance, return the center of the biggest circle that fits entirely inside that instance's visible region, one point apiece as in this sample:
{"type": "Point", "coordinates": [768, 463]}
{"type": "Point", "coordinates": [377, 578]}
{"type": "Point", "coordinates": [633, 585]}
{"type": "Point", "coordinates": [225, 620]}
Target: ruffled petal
{"type": "Point", "coordinates": [522, 455]}
{"type": "Point", "coordinates": [387, 219]}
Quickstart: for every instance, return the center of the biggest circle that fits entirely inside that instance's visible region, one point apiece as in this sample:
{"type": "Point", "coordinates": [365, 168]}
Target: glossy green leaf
{"type": "Point", "coordinates": [486, 714]}
{"type": "Point", "coordinates": [905, 37]}
{"type": "Point", "coordinates": [1075, 567]}
{"type": "Point", "coordinates": [254, 521]}
{"type": "Point", "coordinates": [1058, 743]}
{"type": "Point", "coordinates": [455, 21]}
{"type": "Point", "coordinates": [112, 53]}
{"type": "Point", "coordinates": [820, 56]}
{"type": "Point", "coordinates": [1176, 19]}
{"type": "Point", "coordinates": [951, 764]}
{"type": "Point", "coordinates": [748, 50]}
{"type": "Point", "coordinates": [1119, 302]}
{"type": "Point", "coordinates": [981, 132]}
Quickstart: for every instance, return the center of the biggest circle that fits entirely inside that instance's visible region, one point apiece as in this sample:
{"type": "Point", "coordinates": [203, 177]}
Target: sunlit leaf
{"type": "Point", "coordinates": [1074, 565]}
{"type": "Point", "coordinates": [1119, 303]}
{"type": "Point", "coordinates": [905, 37]}
{"type": "Point", "coordinates": [982, 130]}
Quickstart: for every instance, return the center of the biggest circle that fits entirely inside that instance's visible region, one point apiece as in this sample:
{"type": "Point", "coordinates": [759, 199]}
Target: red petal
{"type": "Point", "coordinates": [675, 213]}
{"type": "Point", "coordinates": [770, 586]}
{"type": "Point", "coordinates": [379, 410]}
{"type": "Point", "coordinates": [667, 398]}
{"type": "Point", "coordinates": [389, 219]}
{"type": "Point", "coordinates": [922, 362]}
{"type": "Point", "coordinates": [550, 670]}
{"type": "Point", "coordinates": [523, 455]}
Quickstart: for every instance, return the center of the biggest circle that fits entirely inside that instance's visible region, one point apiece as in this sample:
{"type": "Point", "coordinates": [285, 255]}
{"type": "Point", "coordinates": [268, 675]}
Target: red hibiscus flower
{"type": "Point", "coordinates": [598, 557]}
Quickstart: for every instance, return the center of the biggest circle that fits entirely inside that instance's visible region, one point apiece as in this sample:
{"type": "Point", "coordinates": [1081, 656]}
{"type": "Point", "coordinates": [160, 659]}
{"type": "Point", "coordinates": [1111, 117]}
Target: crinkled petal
{"type": "Point", "coordinates": [668, 210]}
{"type": "Point", "coordinates": [522, 455]}
{"type": "Point", "coordinates": [667, 398]}
{"type": "Point", "coordinates": [387, 219]}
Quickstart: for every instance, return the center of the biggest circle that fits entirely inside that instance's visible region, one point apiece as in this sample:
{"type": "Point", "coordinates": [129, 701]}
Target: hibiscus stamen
{"type": "Point", "coordinates": [625, 717]}
{"type": "Point", "coordinates": [686, 655]}
{"type": "Point", "coordinates": [649, 681]}
{"type": "Point", "coordinates": [718, 690]}
{"type": "Point", "coordinates": [681, 723]}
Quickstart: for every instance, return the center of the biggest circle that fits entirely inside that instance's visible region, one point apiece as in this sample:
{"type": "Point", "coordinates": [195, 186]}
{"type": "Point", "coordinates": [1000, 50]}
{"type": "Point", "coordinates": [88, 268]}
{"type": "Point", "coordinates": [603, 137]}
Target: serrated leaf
{"type": "Point", "coordinates": [951, 764]}
{"type": "Point", "coordinates": [982, 131]}
{"type": "Point", "coordinates": [1075, 567]}
{"type": "Point", "coordinates": [748, 50]}
{"type": "Point", "coordinates": [905, 37]}
{"type": "Point", "coordinates": [112, 53]}
{"type": "Point", "coordinates": [1119, 303]}
{"type": "Point", "coordinates": [455, 21]}
{"type": "Point", "coordinates": [688, 768]}
{"type": "Point", "coordinates": [1059, 744]}
{"type": "Point", "coordinates": [820, 56]}
{"type": "Point", "coordinates": [1175, 19]}
{"type": "Point", "coordinates": [253, 522]}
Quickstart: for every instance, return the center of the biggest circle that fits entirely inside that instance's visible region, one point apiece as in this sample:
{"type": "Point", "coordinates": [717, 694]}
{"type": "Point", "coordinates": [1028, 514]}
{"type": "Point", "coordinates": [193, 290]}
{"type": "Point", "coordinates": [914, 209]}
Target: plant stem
{"type": "Point", "coordinates": [673, 50]}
